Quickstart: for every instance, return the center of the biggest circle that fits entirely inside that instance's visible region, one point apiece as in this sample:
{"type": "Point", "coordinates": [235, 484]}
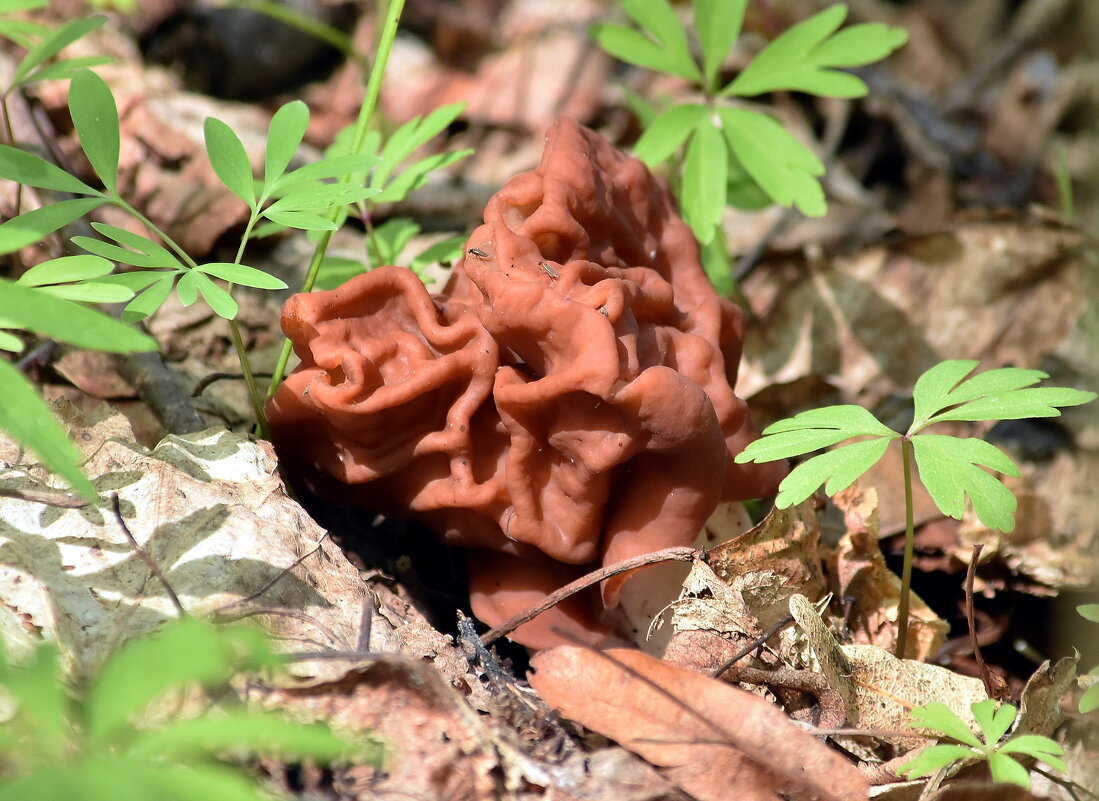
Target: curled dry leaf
{"type": "Point", "coordinates": [879, 690]}
{"type": "Point", "coordinates": [861, 573]}
{"type": "Point", "coordinates": [713, 740]}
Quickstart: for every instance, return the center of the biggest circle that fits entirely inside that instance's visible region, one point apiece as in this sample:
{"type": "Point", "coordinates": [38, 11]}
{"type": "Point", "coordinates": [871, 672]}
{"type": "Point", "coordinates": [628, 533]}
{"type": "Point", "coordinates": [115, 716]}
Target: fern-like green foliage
{"type": "Point", "coordinates": [735, 154]}
{"type": "Point", "coordinates": [99, 743]}
{"type": "Point", "coordinates": [994, 722]}
{"type": "Point", "coordinates": [1089, 701]}
{"type": "Point", "coordinates": [951, 468]}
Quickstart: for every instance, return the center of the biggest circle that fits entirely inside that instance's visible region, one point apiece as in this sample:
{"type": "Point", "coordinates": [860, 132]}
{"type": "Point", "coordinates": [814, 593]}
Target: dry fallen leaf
{"type": "Point", "coordinates": [715, 741]}
{"type": "Point", "coordinates": [879, 690]}
{"type": "Point", "coordinates": [862, 575]}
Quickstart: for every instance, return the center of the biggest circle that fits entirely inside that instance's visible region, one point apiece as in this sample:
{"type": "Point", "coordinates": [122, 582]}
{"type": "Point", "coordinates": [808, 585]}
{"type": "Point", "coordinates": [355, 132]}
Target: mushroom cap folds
{"type": "Point", "coordinates": [567, 400]}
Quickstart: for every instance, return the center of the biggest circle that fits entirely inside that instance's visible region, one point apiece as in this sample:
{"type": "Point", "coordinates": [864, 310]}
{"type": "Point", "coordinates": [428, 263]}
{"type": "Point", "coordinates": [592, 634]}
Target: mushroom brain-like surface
{"type": "Point", "coordinates": [567, 401]}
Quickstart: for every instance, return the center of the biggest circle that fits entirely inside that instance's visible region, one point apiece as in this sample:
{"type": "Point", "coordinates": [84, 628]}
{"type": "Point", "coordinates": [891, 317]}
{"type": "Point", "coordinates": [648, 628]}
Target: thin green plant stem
{"type": "Point", "coordinates": [234, 329]}
{"type": "Point", "coordinates": [238, 342]}
{"type": "Point", "coordinates": [154, 228]}
{"type": "Point", "coordinates": [909, 549]}
{"type": "Point", "coordinates": [10, 131]}
{"type": "Point", "coordinates": [362, 125]}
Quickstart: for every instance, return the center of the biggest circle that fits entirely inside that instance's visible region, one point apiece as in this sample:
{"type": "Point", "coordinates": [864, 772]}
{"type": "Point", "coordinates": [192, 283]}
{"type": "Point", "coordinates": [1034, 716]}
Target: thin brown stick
{"type": "Point", "coordinates": [753, 645]}
{"type": "Point", "coordinates": [970, 618]}
{"type": "Point", "coordinates": [681, 554]}
{"type": "Point", "coordinates": [278, 577]}
{"type": "Point", "coordinates": [58, 498]}
{"type": "Point", "coordinates": [116, 508]}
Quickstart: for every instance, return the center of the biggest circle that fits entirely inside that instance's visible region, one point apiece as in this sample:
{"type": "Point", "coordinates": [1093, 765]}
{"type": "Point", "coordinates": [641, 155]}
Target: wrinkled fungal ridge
{"type": "Point", "coordinates": [565, 401]}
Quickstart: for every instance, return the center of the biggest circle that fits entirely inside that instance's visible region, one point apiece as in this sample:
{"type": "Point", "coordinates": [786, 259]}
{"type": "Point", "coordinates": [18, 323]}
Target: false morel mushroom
{"type": "Point", "coordinates": [566, 402]}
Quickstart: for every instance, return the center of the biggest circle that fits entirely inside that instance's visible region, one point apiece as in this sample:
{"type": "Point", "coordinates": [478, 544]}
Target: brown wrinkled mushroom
{"type": "Point", "coordinates": [566, 402]}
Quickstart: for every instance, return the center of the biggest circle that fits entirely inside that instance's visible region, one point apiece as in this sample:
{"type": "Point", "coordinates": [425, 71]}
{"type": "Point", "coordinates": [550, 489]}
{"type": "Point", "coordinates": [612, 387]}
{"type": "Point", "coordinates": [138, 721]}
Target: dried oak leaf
{"type": "Point", "coordinates": [566, 402]}
{"type": "Point", "coordinates": [714, 740]}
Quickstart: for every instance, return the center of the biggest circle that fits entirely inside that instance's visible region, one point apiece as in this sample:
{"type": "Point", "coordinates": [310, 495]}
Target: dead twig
{"type": "Point", "coordinates": [213, 378]}
{"type": "Point", "coordinates": [681, 554]}
{"type": "Point", "coordinates": [753, 645]}
{"type": "Point", "coordinates": [993, 686]}
{"type": "Point", "coordinates": [116, 509]}
{"type": "Point", "coordinates": [58, 498]}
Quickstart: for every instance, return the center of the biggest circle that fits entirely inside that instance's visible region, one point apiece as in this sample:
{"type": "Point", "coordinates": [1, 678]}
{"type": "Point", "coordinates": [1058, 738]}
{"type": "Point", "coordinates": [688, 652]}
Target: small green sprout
{"type": "Point", "coordinates": [100, 744]}
{"type": "Point", "coordinates": [994, 723]}
{"type": "Point", "coordinates": [735, 154]}
{"type": "Point", "coordinates": [951, 468]}
{"type": "Point", "coordinates": [1089, 701]}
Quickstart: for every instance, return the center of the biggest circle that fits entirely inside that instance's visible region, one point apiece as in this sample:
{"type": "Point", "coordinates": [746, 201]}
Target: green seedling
{"type": "Point", "coordinates": [951, 468]}
{"type": "Point", "coordinates": [1089, 701]}
{"type": "Point", "coordinates": [101, 744]}
{"type": "Point", "coordinates": [734, 154]}
{"type": "Point", "coordinates": [42, 301]}
{"type": "Point", "coordinates": [968, 747]}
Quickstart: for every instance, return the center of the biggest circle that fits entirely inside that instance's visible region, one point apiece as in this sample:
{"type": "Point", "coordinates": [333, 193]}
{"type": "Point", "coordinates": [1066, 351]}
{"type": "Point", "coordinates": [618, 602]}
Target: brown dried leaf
{"type": "Point", "coordinates": [879, 690]}
{"type": "Point", "coordinates": [713, 740]}
{"type": "Point", "coordinates": [861, 573]}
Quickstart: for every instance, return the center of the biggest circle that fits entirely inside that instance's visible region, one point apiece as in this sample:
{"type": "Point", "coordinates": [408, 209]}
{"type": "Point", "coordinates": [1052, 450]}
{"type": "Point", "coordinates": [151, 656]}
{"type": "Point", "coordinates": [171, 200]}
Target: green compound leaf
{"type": "Point", "coordinates": [229, 160]}
{"type": "Point", "coordinates": [949, 469]}
{"type": "Point", "coordinates": [667, 132]}
{"type": "Point", "coordinates": [187, 650]}
{"type": "Point", "coordinates": [65, 270]}
{"type": "Point", "coordinates": [414, 134]}
{"type": "Point", "coordinates": [11, 343]}
{"type": "Point", "coordinates": [31, 226]}
{"type": "Point", "coordinates": [718, 24]}
{"type": "Point", "coordinates": [320, 197]}
{"type": "Point", "coordinates": [65, 69]}
{"type": "Point", "coordinates": [122, 255]}
{"type": "Point", "coordinates": [152, 298]}
{"type": "Point", "coordinates": [283, 139]}
{"type": "Point", "coordinates": [704, 176]}
{"type": "Point", "coordinates": [300, 219]}
{"type": "Point", "coordinates": [782, 166]}
{"type": "Point", "coordinates": [53, 44]}
{"type": "Point", "coordinates": [1041, 748]}
{"type": "Point", "coordinates": [157, 255]}
{"type": "Point", "coordinates": [938, 717]}
{"type": "Point", "coordinates": [836, 470]}
{"type": "Point", "coordinates": [331, 167]}
{"type": "Point", "coordinates": [812, 430]}
{"type": "Point", "coordinates": [240, 274]}
{"type": "Point", "coordinates": [1089, 612]}
{"type": "Point", "coordinates": [1006, 769]}
{"type": "Point", "coordinates": [26, 168]}
{"type": "Point", "coordinates": [932, 759]}
{"type": "Point", "coordinates": [1089, 701]}
{"type": "Point", "coordinates": [90, 292]}
{"type": "Point", "coordinates": [993, 719]}
{"type": "Point", "coordinates": [201, 782]}
{"type": "Point", "coordinates": [32, 309]}
{"type": "Point", "coordinates": [28, 419]}
{"type": "Point", "coordinates": [95, 116]}
{"type": "Point", "coordinates": [389, 239]}
{"type": "Point", "coordinates": [218, 299]}
{"type": "Point", "coordinates": [805, 59]}
{"type": "Point", "coordinates": [992, 395]}
{"type": "Point", "coordinates": [74, 278]}
{"type": "Point", "coordinates": [415, 175]}
{"type": "Point", "coordinates": [667, 49]}
{"type": "Point", "coordinates": [446, 251]}
{"type": "Point", "coordinates": [240, 731]}
{"type": "Point", "coordinates": [187, 288]}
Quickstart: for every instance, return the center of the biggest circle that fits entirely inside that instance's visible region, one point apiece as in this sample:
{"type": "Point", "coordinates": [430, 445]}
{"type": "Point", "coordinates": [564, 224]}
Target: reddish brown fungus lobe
{"type": "Point", "coordinates": [566, 402]}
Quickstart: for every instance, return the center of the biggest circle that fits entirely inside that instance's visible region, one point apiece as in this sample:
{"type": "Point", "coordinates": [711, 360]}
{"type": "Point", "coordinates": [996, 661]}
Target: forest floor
{"type": "Point", "coordinates": [963, 211]}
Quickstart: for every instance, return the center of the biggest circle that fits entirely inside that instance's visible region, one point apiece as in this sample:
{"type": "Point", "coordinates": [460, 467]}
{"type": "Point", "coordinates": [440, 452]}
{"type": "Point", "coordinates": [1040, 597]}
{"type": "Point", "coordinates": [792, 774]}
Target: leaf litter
{"type": "Point", "coordinates": [1014, 290]}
